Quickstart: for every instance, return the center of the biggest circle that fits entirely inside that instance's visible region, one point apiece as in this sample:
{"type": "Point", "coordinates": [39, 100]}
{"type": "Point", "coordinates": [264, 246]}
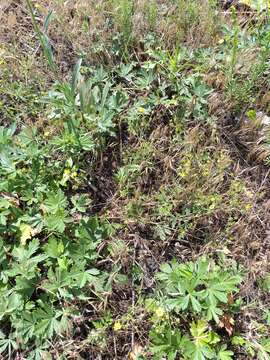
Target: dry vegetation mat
{"type": "Point", "coordinates": [134, 179]}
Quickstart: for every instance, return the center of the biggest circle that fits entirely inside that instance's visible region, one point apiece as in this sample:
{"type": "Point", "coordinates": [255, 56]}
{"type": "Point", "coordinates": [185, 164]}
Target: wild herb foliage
{"type": "Point", "coordinates": [48, 244]}
{"type": "Point", "coordinates": [80, 270]}
{"type": "Point", "coordinates": [200, 296]}
{"type": "Point", "coordinates": [200, 290]}
{"type": "Point", "coordinates": [199, 287]}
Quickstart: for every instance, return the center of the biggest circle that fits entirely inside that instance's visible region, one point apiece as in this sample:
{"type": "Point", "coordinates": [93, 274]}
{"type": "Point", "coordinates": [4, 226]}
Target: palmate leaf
{"type": "Point", "coordinates": [213, 312]}
{"type": "Point", "coordinates": [7, 164]}
{"type": "Point", "coordinates": [224, 354]}
{"type": "Point", "coordinates": [6, 134]}
{"type": "Point", "coordinates": [27, 135]}
{"type": "Point", "coordinates": [202, 353]}
{"type": "Point", "coordinates": [47, 324]}
{"type": "Point", "coordinates": [80, 202]}
{"type": "Point", "coordinates": [55, 201]}
{"type": "Point", "coordinates": [183, 302]}
{"type": "Point", "coordinates": [49, 321]}
{"type": "Point", "coordinates": [25, 326]}
{"type": "Point", "coordinates": [7, 346]}
{"type": "Point", "coordinates": [24, 255]}
{"type": "Point", "coordinates": [54, 248]}
{"type": "Point", "coordinates": [57, 221]}
{"type": "Point", "coordinates": [43, 322]}
{"type": "Point", "coordinates": [166, 342]}
{"type": "Point", "coordinates": [25, 263]}
{"type": "Point", "coordinates": [10, 302]}
{"type": "Point", "coordinates": [69, 283]}
{"type": "Point", "coordinates": [40, 353]}
{"type": "Point", "coordinates": [200, 286]}
{"type": "Point", "coordinates": [198, 331]}
{"type": "Point", "coordinates": [200, 347]}
{"type": "Point", "coordinates": [24, 286]}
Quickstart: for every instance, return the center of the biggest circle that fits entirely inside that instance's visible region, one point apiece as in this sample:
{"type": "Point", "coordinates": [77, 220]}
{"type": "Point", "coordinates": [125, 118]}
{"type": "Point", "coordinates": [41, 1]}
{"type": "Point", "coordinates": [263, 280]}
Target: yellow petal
{"type": "Point", "coordinates": [117, 326]}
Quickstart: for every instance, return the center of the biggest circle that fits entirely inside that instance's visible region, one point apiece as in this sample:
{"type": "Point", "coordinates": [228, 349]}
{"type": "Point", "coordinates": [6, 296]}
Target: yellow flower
{"type": "Point", "coordinates": [160, 312]}
{"type": "Point", "coordinates": [67, 172]}
{"type": "Point", "coordinates": [141, 109]}
{"type": "Point", "coordinates": [74, 174]}
{"type": "Point", "coordinates": [248, 206]}
{"type": "Point", "coordinates": [117, 326]}
{"type": "Point", "coordinates": [46, 133]}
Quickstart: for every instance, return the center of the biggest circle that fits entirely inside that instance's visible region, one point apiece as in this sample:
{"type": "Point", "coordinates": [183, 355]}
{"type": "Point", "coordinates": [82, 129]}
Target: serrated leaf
{"type": "Point", "coordinates": [225, 354]}
{"type": "Point", "coordinates": [198, 329]}
{"type": "Point", "coordinates": [57, 221]}
{"type": "Point", "coordinates": [54, 248]}
{"type": "Point", "coordinates": [55, 201]}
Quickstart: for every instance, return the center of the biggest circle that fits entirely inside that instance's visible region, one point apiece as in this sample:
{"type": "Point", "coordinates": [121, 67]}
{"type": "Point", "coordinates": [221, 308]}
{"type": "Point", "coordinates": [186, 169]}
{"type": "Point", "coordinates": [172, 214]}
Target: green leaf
{"type": "Point", "coordinates": [55, 201]}
{"type": "Point", "coordinates": [47, 322]}
{"type": "Point", "coordinates": [80, 202]}
{"type": "Point", "coordinates": [195, 304]}
{"type": "Point", "coordinates": [75, 76]}
{"type": "Point", "coordinates": [198, 331]}
{"type": "Point", "coordinates": [10, 303]}
{"type": "Point", "coordinates": [57, 221]}
{"type": "Point", "coordinates": [225, 354]}
{"type": "Point", "coordinates": [54, 248]}
{"type": "Point", "coordinates": [8, 345]}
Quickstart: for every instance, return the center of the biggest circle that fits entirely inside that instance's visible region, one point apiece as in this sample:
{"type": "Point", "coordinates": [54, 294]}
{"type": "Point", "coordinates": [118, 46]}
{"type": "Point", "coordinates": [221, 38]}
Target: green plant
{"type": "Point", "coordinates": [47, 255]}
{"type": "Point", "coordinates": [42, 36]}
{"type": "Point", "coordinates": [130, 160]}
{"type": "Point", "coordinates": [201, 287]}
{"type": "Point", "coordinates": [123, 14]}
{"type": "Point", "coordinates": [260, 349]}
{"type": "Point", "coordinates": [201, 343]}
{"type": "Point", "coordinates": [152, 13]}
{"type": "Point", "coordinates": [86, 109]}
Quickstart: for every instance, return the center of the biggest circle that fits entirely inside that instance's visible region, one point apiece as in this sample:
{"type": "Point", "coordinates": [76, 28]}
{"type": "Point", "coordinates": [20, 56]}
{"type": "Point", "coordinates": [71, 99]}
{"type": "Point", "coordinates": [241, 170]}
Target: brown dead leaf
{"type": "Point", "coordinates": [230, 299]}
{"type": "Point", "coordinates": [137, 351]}
{"type": "Point", "coordinates": [227, 322]}
{"type": "Point", "coordinates": [266, 98]}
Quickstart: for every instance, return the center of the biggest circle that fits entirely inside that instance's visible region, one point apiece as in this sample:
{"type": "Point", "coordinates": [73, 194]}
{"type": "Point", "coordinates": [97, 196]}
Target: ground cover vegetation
{"type": "Point", "coordinates": [134, 179]}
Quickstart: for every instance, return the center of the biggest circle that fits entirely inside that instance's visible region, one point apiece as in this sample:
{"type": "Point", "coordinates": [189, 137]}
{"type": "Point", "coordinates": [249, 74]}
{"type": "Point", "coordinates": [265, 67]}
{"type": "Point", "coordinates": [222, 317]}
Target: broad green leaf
{"type": "Point", "coordinates": [55, 201]}
{"type": "Point", "coordinates": [57, 221]}
{"type": "Point", "coordinates": [225, 354]}
{"type": "Point", "coordinates": [198, 330]}
{"type": "Point", "coordinates": [54, 248]}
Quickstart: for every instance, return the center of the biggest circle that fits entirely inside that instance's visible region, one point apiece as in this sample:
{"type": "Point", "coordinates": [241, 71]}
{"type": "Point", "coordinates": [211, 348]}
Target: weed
{"type": "Point", "coordinates": [203, 288]}
{"type": "Point", "coordinates": [42, 36]}
{"type": "Point", "coordinates": [152, 13]}
{"type": "Point", "coordinates": [133, 221]}
{"type": "Point", "coordinates": [123, 16]}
